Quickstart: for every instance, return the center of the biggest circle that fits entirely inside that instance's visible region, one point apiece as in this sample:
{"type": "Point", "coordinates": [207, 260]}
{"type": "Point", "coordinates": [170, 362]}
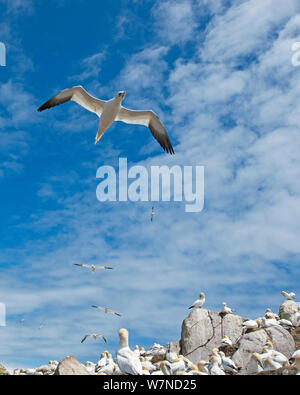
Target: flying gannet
{"type": "Point", "coordinates": [94, 335]}
{"type": "Point", "coordinates": [93, 267]}
{"type": "Point", "coordinates": [152, 214]}
{"type": "Point", "coordinates": [110, 111]}
{"type": "Point", "coordinates": [199, 302]}
{"type": "Point", "coordinates": [288, 296]}
{"type": "Point", "coordinates": [127, 360]}
{"type": "Point", "coordinates": [106, 310]}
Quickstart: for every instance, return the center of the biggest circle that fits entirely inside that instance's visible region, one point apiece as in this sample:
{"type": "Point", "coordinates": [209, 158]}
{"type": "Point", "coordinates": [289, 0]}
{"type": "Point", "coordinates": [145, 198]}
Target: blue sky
{"type": "Point", "coordinates": [219, 74]}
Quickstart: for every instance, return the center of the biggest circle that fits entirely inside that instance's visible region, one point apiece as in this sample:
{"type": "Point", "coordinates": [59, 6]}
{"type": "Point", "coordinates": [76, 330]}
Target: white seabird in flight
{"type": "Point", "coordinates": [110, 111]}
{"type": "Point", "coordinates": [94, 335]}
{"type": "Point", "coordinates": [106, 310]}
{"type": "Point", "coordinates": [288, 296]}
{"type": "Point", "coordinates": [93, 267]}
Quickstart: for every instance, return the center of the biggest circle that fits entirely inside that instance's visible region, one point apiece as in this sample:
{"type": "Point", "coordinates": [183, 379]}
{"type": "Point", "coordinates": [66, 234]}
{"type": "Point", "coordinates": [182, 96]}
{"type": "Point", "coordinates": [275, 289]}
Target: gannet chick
{"type": "Point", "coordinates": [288, 296]}
{"type": "Point", "coordinates": [225, 309]}
{"type": "Point", "coordinates": [106, 310]}
{"type": "Point", "coordinates": [269, 364]}
{"type": "Point", "coordinates": [93, 267]}
{"type": "Point", "coordinates": [226, 341]}
{"type": "Point", "coordinates": [215, 369]}
{"type": "Point", "coordinates": [199, 302]}
{"type": "Point", "coordinates": [127, 360]}
{"type": "Point", "coordinates": [94, 336]}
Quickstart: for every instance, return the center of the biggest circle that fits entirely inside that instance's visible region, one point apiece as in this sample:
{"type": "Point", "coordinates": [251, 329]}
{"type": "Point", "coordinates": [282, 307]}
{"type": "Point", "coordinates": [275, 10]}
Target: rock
{"type": "Point", "coordinates": [203, 330]}
{"type": "Point", "coordinates": [158, 358]}
{"type": "Point", "coordinates": [288, 311]}
{"type": "Point", "coordinates": [282, 340]}
{"type": "Point", "coordinates": [286, 371]}
{"type": "Point", "coordinates": [175, 347]}
{"type": "Point", "coordinates": [70, 366]}
{"type": "Point", "coordinates": [3, 371]}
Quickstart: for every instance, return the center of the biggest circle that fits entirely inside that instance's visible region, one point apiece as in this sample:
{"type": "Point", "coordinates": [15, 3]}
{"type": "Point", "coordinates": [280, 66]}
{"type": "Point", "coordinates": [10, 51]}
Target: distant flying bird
{"type": "Point", "coordinates": [152, 214]}
{"type": "Point", "coordinates": [288, 296]}
{"type": "Point", "coordinates": [106, 310]}
{"type": "Point", "coordinates": [94, 336]}
{"type": "Point", "coordinates": [110, 111]}
{"type": "Point", "coordinates": [93, 267]}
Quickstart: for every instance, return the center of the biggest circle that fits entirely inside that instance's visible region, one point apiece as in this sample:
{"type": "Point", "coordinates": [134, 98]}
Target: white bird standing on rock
{"type": "Point", "coordinates": [251, 324]}
{"type": "Point", "coordinates": [288, 296]}
{"type": "Point", "coordinates": [199, 302]}
{"type": "Point", "coordinates": [214, 368]}
{"type": "Point", "coordinates": [127, 360]}
{"type": "Point", "coordinates": [225, 309]}
{"type": "Point", "coordinates": [110, 111]}
{"type": "Point", "coordinates": [226, 341]}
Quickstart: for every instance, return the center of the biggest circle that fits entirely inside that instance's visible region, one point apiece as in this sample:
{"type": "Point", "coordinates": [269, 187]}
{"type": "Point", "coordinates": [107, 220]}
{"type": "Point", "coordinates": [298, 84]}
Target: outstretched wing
{"type": "Point", "coordinates": [85, 337]}
{"type": "Point", "coordinates": [103, 267]}
{"type": "Point", "coordinates": [78, 95]}
{"type": "Point", "coordinates": [150, 119]}
{"type": "Point", "coordinates": [102, 337]}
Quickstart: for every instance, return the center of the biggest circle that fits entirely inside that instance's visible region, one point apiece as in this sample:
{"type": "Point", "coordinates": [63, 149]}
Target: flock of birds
{"type": "Point", "coordinates": [160, 360]}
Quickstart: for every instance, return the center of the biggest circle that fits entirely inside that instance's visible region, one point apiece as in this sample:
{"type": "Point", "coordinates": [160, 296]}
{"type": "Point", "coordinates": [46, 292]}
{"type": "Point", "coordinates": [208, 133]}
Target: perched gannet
{"type": "Point", "coordinates": [286, 323]}
{"type": "Point", "coordinates": [296, 353]}
{"type": "Point", "coordinates": [157, 349]}
{"type": "Point", "coordinates": [109, 367]}
{"type": "Point", "coordinates": [216, 353]}
{"type": "Point", "coordinates": [106, 310]}
{"type": "Point", "coordinates": [145, 371]}
{"type": "Point", "coordinates": [127, 360]}
{"type": "Point", "coordinates": [149, 365]}
{"type": "Point", "coordinates": [202, 367]}
{"type": "Point", "coordinates": [225, 309]}
{"type": "Point", "coordinates": [90, 366]}
{"type": "Point", "coordinates": [214, 368]}
{"type": "Point", "coordinates": [199, 302]}
{"type": "Point", "coordinates": [267, 323]}
{"type": "Point", "coordinates": [255, 365]}
{"type": "Point", "coordinates": [137, 351]}
{"type": "Point", "coordinates": [110, 111]}
{"type": "Point", "coordinates": [177, 365]}
{"type": "Point", "coordinates": [288, 296]}
{"type": "Point", "coordinates": [251, 324]}
{"type": "Point", "coordinates": [227, 364]}
{"type": "Point", "coordinates": [102, 362]}
{"type": "Point", "coordinates": [269, 364]}
{"type": "Point", "coordinates": [152, 214]}
{"type": "Point", "coordinates": [142, 351]}
{"type": "Point", "coordinates": [226, 341]}
{"type": "Point", "coordinates": [94, 336]}
{"type": "Point", "coordinates": [93, 267]}
{"type": "Point", "coordinates": [269, 314]}
{"type": "Point", "coordinates": [170, 356]}
{"type": "Point", "coordinates": [297, 364]}
{"type": "Point", "coordinates": [280, 358]}
{"type": "Point", "coordinates": [166, 368]}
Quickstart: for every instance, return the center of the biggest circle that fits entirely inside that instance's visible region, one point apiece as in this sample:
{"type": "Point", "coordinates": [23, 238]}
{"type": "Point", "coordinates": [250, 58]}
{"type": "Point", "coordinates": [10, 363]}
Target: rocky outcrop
{"type": "Point", "coordinates": [288, 371]}
{"type": "Point", "coordinates": [3, 371]}
{"type": "Point", "coordinates": [70, 366]}
{"type": "Point", "coordinates": [288, 311]}
{"type": "Point", "coordinates": [203, 330]}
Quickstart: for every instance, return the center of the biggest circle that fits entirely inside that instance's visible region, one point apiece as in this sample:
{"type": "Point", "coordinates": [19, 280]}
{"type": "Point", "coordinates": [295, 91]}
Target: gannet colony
{"type": "Point", "coordinates": [212, 343]}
